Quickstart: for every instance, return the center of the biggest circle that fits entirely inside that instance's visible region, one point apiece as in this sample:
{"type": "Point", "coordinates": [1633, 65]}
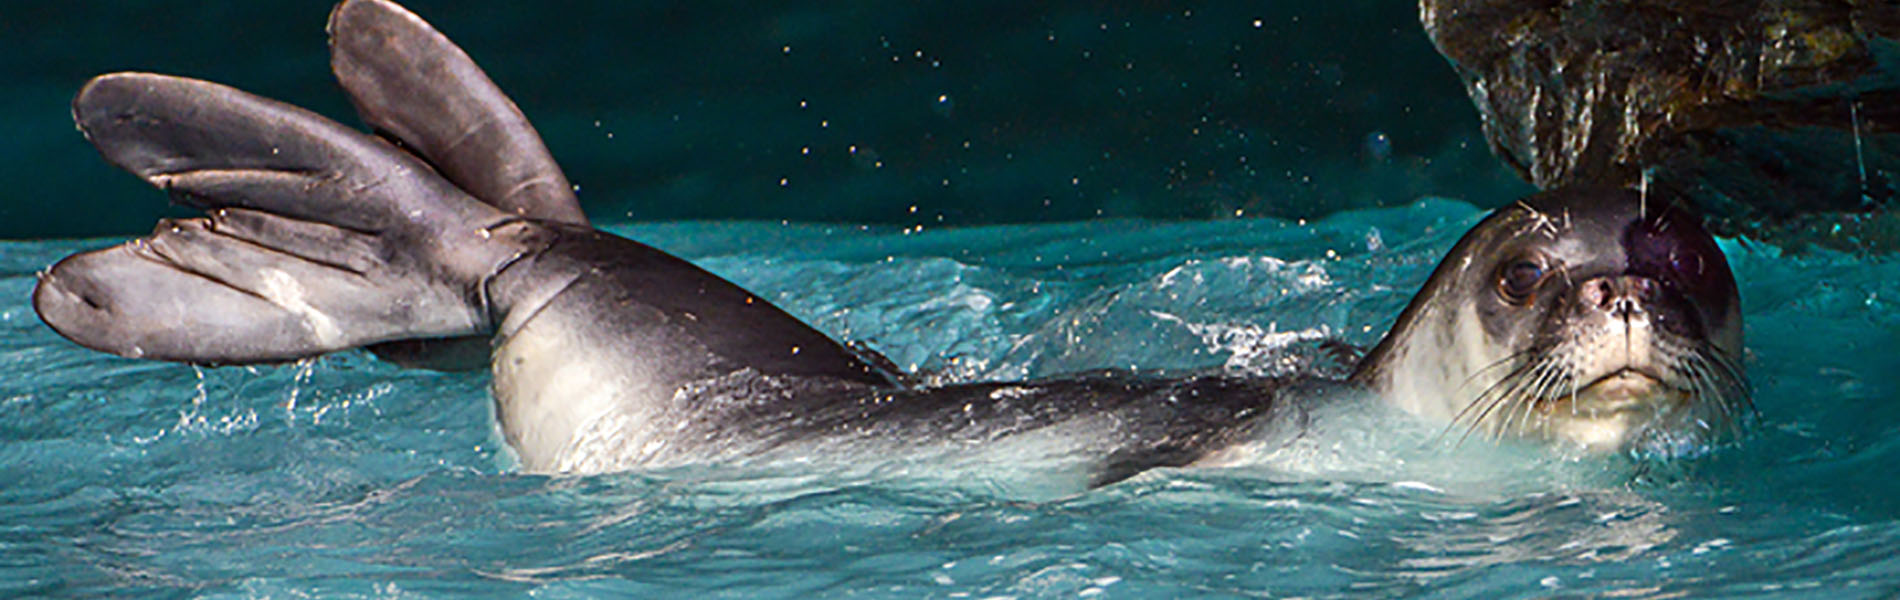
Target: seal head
{"type": "Point", "coordinates": [1599, 317]}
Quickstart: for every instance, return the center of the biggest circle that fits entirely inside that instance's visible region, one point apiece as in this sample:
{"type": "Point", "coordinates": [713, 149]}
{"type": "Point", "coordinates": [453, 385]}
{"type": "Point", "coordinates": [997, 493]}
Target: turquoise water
{"type": "Point", "coordinates": [346, 477]}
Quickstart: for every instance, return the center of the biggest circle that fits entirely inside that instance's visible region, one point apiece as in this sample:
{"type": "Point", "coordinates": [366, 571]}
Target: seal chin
{"type": "Point", "coordinates": [1609, 413]}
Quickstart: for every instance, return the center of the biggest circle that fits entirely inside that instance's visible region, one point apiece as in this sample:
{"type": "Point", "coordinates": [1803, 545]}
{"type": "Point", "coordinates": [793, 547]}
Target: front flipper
{"type": "Point", "coordinates": [320, 238]}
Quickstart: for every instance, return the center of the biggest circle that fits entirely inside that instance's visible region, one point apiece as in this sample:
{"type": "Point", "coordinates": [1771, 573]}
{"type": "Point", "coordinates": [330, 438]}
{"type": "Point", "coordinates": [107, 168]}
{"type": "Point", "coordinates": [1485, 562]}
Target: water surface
{"type": "Point", "coordinates": [347, 477]}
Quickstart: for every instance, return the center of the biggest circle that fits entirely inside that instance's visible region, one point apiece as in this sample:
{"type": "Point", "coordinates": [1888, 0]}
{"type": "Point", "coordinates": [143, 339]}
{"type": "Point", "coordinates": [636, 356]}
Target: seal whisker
{"type": "Point", "coordinates": [1517, 402]}
{"type": "Point", "coordinates": [1733, 394]}
{"type": "Point", "coordinates": [1499, 393]}
{"type": "Point", "coordinates": [1522, 397]}
{"type": "Point", "coordinates": [1490, 390]}
{"type": "Point", "coordinates": [1569, 382]}
{"type": "Point", "coordinates": [1479, 410]}
{"type": "Point", "coordinates": [1502, 363]}
{"type": "Point", "coordinates": [1720, 392]}
{"type": "Point", "coordinates": [1714, 391]}
{"type": "Point", "coordinates": [1706, 368]}
{"type": "Point", "coordinates": [1703, 390]}
{"type": "Point", "coordinates": [1730, 374]}
{"type": "Point", "coordinates": [1554, 373]}
{"type": "Point", "coordinates": [1473, 415]}
{"type": "Point", "coordinates": [1719, 395]}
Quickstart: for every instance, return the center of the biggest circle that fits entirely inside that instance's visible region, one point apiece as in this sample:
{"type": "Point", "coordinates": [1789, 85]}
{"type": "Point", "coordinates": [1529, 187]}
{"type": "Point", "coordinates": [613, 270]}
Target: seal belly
{"type": "Point", "coordinates": [555, 378]}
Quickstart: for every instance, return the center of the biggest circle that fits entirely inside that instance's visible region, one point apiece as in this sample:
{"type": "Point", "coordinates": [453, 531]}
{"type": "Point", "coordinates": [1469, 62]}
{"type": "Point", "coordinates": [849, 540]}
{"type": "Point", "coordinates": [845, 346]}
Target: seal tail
{"type": "Point", "coordinates": [318, 237]}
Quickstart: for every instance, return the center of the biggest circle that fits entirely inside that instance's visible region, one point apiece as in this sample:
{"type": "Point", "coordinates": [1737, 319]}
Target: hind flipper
{"type": "Point", "coordinates": [196, 291]}
{"type": "Point", "coordinates": [214, 146]}
{"type": "Point", "coordinates": [320, 238]}
{"type": "Point", "coordinates": [410, 81]}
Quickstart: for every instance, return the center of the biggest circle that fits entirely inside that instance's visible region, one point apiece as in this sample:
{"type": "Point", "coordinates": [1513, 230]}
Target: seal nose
{"type": "Point", "coordinates": [1620, 295]}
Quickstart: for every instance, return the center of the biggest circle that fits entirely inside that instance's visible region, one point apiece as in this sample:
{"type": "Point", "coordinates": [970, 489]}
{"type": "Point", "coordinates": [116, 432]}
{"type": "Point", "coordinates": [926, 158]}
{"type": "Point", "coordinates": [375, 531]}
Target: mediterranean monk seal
{"type": "Point", "coordinates": [1594, 317]}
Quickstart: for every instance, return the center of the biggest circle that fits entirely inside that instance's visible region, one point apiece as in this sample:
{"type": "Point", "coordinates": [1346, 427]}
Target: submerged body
{"type": "Point", "coordinates": [1618, 327]}
{"type": "Point", "coordinates": [580, 387]}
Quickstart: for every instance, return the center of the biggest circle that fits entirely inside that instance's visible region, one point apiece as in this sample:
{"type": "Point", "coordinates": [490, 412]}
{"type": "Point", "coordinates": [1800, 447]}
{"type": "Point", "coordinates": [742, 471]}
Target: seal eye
{"type": "Point", "coordinates": [1518, 280]}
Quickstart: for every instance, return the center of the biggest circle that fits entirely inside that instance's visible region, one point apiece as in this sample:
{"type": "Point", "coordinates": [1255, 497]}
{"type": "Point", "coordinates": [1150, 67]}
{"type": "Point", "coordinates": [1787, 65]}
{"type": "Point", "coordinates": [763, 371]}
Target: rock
{"type": "Point", "coordinates": [1776, 117]}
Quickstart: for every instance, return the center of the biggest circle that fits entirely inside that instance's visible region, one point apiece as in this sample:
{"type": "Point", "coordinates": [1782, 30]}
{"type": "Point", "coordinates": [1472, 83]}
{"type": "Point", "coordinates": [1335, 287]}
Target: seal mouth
{"type": "Point", "coordinates": [1623, 390]}
{"type": "Point", "coordinates": [1607, 413]}
{"type": "Point", "coordinates": [1673, 409]}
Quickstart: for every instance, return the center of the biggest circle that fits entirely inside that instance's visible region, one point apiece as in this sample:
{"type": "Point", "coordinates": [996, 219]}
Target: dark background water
{"type": "Point", "coordinates": [948, 112]}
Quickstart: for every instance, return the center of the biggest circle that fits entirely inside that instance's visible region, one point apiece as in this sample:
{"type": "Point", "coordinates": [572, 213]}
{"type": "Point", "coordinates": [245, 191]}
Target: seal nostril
{"type": "Point", "coordinates": [1605, 294]}
{"type": "Point", "coordinates": [1620, 296]}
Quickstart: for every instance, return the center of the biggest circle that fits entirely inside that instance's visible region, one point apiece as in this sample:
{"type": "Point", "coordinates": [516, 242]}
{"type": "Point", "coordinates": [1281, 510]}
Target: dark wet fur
{"type": "Point", "coordinates": [1142, 422]}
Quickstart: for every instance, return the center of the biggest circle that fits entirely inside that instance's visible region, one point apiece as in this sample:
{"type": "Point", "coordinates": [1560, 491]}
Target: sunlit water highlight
{"type": "Point", "coordinates": [346, 477]}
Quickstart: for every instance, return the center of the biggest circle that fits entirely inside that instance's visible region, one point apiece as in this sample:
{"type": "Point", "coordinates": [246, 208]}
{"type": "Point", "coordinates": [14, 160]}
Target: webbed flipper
{"type": "Point", "coordinates": [411, 82]}
{"type": "Point", "coordinates": [319, 237]}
